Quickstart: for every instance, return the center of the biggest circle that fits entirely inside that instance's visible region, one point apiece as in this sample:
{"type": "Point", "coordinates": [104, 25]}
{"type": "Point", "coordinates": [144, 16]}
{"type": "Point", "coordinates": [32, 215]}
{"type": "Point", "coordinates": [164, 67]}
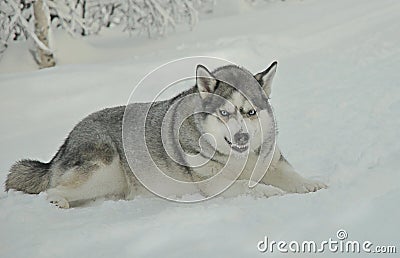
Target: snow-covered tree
{"type": "Point", "coordinates": [42, 28]}
{"type": "Point", "coordinates": [31, 19]}
{"type": "Point", "coordinates": [23, 19]}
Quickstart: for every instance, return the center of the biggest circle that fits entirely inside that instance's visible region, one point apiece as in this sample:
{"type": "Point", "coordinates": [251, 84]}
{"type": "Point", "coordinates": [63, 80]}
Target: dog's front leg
{"type": "Point", "coordinates": [281, 174]}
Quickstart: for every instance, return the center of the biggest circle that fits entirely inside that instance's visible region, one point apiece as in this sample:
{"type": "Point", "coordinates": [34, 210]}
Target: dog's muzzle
{"type": "Point", "coordinates": [240, 142]}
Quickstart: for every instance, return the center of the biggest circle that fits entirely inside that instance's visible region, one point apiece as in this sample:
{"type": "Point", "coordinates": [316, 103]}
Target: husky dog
{"type": "Point", "coordinates": [93, 163]}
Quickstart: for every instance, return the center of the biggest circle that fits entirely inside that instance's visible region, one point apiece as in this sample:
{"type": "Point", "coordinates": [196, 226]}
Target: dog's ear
{"type": "Point", "coordinates": [205, 81]}
{"type": "Point", "coordinates": [265, 78]}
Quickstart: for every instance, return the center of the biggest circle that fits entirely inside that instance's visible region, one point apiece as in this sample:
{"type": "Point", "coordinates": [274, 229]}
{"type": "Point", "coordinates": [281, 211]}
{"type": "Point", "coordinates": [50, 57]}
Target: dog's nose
{"type": "Point", "coordinates": [241, 138]}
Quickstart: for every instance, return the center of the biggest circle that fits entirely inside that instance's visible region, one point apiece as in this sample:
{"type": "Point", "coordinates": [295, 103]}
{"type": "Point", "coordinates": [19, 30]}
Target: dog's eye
{"type": "Point", "coordinates": [224, 113]}
{"type": "Point", "coordinates": [251, 112]}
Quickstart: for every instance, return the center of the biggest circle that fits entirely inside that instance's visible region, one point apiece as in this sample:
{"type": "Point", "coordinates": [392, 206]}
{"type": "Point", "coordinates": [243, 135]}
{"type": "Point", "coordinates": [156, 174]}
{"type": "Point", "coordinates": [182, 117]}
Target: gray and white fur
{"type": "Point", "coordinates": [92, 163]}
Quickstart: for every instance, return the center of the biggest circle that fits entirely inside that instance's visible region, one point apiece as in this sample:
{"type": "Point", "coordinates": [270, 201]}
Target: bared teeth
{"type": "Point", "coordinates": [239, 146]}
{"type": "Point", "coordinates": [236, 146]}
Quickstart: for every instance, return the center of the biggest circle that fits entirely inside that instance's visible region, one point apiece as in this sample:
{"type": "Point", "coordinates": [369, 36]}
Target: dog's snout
{"type": "Point", "coordinates": [241, 138]}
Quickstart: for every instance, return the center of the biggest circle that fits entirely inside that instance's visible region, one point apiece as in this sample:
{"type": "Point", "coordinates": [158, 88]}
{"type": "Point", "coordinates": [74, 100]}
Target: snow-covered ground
{"type": "Point", "coordinates": [336, 98]}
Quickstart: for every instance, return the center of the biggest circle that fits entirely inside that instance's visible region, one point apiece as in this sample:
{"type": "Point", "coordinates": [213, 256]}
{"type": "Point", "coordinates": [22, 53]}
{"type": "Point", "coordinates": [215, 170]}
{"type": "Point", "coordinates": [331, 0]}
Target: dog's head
{"type": "Point", "coordinates": [236, 105]}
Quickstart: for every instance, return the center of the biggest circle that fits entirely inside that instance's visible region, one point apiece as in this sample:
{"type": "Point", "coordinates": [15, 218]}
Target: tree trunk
{"type": "Point", "coordinates": [83, 33]}
{"type": "Point", "coordinates": [42, 28]}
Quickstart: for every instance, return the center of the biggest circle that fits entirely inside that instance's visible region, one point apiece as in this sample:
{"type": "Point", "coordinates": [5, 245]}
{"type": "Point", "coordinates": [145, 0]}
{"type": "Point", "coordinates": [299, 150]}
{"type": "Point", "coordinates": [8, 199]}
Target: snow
{"type": "Point", "coordinates": [336, 97]}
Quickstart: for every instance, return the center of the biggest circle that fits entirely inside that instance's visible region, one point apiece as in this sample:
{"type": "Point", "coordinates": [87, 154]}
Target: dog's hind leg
{"type": "Point", "coordinates": [87, 182]}
{"type": "Point", "coordinates": [68, 187]}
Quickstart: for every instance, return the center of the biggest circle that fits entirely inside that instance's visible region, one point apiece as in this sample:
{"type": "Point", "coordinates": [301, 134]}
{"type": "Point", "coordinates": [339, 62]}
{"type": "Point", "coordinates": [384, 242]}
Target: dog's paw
{"type": "Point", "coordinates": [261, 190]}
{"type": "Point", "coordinates": [314, 185]}
{"type": "Point", "coordinates": [305, 186]}
{"type": "Point", "coordinates": [62, 204]}
{"type": "Point", "coordinates": [241, 187]}
{"type": "Point", "coordinates": [58, 201]}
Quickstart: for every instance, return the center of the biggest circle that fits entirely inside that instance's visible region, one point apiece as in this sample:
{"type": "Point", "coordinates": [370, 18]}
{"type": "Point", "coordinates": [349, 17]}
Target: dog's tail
{"type": "Point", "coordinates": [29, 176]}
